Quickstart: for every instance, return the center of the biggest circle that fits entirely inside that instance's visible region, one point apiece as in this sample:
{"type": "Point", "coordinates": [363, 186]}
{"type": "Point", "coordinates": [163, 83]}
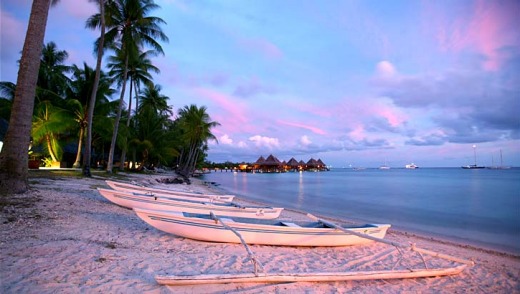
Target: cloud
{"type": "Point", "coordinates": [313, 129]}
{"type": "Point", "coordinates": [485, 27]}
{"type": "Point", "coordinates": [225, 139]}
{"type": "Point", "coordinates": [264, 47]}
{"type": "Point", "coordinates": [251, 88]}
{"type": "Point", "coordinates": [261, 141]}
{"type": "Point", "coordinates": [305, 141]}
{"type": "Point", "coordinates": [385, 69]}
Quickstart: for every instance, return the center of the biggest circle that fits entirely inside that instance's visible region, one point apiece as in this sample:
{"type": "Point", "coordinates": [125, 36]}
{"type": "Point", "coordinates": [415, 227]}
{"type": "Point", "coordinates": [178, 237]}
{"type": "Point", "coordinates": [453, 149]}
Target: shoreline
{"type": "Point", "coordinates": [70, 237]}
{"type": "Point", "coordinates": [422, 235]}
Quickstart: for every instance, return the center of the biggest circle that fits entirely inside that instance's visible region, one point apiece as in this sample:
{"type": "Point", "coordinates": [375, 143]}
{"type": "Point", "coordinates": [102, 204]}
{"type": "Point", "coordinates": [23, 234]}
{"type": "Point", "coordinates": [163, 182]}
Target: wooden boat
{"type": "Point", "coordinates": [134, 200]}
{"type": "Point", "coordinates": [256, 231]}
{"type": "Point", "coordinates": [167, 193]}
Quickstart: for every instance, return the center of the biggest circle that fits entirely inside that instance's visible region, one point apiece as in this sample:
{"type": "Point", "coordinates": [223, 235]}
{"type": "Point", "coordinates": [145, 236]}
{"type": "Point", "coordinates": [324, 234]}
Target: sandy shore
{"type": "Point", "coordinates": [63, 237]}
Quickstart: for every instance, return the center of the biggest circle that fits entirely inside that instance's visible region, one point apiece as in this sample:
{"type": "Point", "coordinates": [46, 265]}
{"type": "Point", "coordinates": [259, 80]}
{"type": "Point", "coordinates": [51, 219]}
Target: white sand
{"type": "Point", "coordinates": [72, 240]}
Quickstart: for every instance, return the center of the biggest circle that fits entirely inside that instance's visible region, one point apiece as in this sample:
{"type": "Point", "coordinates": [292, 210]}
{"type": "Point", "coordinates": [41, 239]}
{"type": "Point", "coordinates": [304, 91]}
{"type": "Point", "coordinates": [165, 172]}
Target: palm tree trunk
{"type": "Point", "coordinates": [110, 163]}
{"type": "Point", "coordinates": [14, 158]}
{"type": "Point", "coordinates": [80, 144]}
{"type": "Point", "coordinates": [52, 153]}
{"type": "Point", "coordinates": [92, 102]}
{"type": "Point", "coordinates": [123, 153]}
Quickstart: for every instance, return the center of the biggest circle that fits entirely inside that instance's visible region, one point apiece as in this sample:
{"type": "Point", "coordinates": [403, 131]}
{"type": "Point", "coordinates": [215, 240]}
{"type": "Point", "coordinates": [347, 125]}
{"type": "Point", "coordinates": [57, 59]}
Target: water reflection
{"type": "Point", "coordinates": [300, 191]}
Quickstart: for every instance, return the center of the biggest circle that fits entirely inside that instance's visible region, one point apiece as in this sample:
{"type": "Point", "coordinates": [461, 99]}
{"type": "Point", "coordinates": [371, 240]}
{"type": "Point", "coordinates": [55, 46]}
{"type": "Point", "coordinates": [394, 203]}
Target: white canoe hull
{"type": "Point", "coordinates": [131, 200]}
{"type": "Point", "coordinates": [253, 233]}
{"type": "Point", "coordinates": [166, 193]}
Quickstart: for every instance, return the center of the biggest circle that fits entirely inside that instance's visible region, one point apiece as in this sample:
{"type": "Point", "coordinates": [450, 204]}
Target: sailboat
{"type": "Point", "coordinates": [384, 166]}
{"type": "Point", "coordinates": [501, 166]}
{"type": "Point", "coordinates": [473, 166]}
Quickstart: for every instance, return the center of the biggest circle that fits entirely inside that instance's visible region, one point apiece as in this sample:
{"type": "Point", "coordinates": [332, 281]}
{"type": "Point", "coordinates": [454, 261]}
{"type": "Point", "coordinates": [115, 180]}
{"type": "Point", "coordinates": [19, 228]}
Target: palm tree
{"type": "Point", "coordinates": [49, 122]}
{"type": "Point", "coordinates": [92, 102]}
{"type": "Point", "coordinates": [195, 124]}
{"type": "Point", "coordinates": [52, 79]}
{"type": "Point", "coordinates": [79, 96]}
{"type": "Point", "coordinates": [129, 27]}
{"type": "Point", "coordinates": [138, 71]}
{"type": "Point", "coordinates": [152, 98]}
{"type": "Point", "coordinates": [13, 157]}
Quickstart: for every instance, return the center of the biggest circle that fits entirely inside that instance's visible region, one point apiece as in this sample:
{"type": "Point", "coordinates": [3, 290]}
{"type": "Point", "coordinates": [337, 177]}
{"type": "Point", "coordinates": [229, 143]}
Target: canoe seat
{"type": "Point", "coordinates": [292, 225]}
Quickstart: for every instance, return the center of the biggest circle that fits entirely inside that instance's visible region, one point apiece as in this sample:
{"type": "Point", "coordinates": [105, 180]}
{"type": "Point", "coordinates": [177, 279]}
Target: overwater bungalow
{"type": "Point", "coordinates": [293, 165]}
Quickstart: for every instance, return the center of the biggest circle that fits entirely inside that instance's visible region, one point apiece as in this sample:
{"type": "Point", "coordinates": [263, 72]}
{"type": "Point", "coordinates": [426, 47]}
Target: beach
{"type": "Point", "coordinates": [62, 236]}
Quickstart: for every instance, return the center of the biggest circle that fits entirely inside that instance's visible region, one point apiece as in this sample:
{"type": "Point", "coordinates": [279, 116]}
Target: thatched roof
{"type": "Point", "coordinates": [312, 163]}
{"type": "Point", "coordinates": [271, 160]}
{"type": "Point", "coordinates": [302, 163]}
{"type": "Point", "coordinates": [321, 162]}
{"type": "Point", "coordinates": [260, 160]}
{"type": "Point", "coordinates": [293, 163]}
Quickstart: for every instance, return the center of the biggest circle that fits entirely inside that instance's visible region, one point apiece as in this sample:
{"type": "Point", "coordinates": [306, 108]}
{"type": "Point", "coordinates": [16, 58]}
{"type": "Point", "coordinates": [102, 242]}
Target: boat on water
{"type": "Point", "coordinates": [411, 166]}
{"type": "Point", "coordinates": [384, 166]}
{"type": "Point", "coordinates": [501, 166]}
{"type": "Point", "coordinates": [127, 187]}
{"type": "Point", "coordinates": [473, 166]}
{"type": "Point", "coordinates": [256, 231]}
{"type": "Point", "coordinates": [146, 201]}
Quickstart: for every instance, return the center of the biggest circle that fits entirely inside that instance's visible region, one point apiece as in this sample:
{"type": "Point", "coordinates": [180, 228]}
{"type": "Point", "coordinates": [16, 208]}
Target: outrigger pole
{"type": "Point", "coordinates": [318, 276]}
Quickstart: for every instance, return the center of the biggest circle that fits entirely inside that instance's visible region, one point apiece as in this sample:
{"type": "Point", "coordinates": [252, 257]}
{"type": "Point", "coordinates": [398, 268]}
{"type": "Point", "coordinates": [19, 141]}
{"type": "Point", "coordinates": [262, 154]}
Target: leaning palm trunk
{"type": "Point", "coordinates": [92, 102]}
{"type": "Point", "coordinates": [190, 161]}
{"type": "Point", "coordinates": [110, 163]}
{"type": "Point", "coordinates": [52, 152]}
{"type": "Point", "coordinates": [123, 152]}
{"type": "Point", "coordinates": [80, 143]}
{"type": "Point", "coordinates": [14, 158]}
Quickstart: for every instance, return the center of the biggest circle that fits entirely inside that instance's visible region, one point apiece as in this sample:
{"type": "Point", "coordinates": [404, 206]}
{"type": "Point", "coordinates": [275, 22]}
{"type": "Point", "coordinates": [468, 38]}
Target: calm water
{"type": "Point", "coordinates": [480, 207]}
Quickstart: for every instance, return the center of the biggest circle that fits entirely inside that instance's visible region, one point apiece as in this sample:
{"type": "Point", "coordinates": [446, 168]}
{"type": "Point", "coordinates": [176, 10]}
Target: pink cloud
{"type": "Point", "coordinates": [265, 47]}
{"type": "Point", "coordinates": [303, 126]}
{"type": "Point", "coordinates": [490, 26]}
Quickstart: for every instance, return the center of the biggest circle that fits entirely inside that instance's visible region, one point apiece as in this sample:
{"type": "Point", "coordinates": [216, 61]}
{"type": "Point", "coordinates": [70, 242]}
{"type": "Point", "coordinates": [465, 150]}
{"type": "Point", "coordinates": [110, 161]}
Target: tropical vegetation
{"type": "Point", "coordinates": [73, 116]}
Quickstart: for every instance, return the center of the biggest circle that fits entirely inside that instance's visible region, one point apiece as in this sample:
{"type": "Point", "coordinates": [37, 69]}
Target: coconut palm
{"type": "Point", "coordinates": [81, 88]}
{"type": "Point", "coordinates": [152, 137]}
{"type": "Point", "coordinates": [92, 102]}
{"type": "Point", "coordinates": [49, 123]}
{"type": "Point", "coordinates": [195, 124]}
{"type": "Point", "coordinates": [129, 28]}
{"type": "Point", "coordinates": [13, 157]}
{"type": "Point", "coordinates": [138, 71]}
{"type": "Point", "coordinates": [52, 75]}
{"type": "Point", "coordinates": [152, 98]}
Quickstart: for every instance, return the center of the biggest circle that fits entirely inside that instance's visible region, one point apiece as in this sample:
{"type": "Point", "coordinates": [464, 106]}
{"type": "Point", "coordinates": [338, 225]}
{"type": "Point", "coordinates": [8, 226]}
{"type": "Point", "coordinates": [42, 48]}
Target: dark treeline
{"type": "Point", "coordinates": [132, 125]}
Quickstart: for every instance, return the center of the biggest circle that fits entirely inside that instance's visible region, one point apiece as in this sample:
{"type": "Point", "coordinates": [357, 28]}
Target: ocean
{"type": "Point", "coordinates": [478, 207]}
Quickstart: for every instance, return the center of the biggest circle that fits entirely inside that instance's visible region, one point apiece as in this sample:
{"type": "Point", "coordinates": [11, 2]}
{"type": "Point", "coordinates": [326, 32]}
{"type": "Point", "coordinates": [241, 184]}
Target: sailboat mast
{"type": "Point", "coordinates": [475, 154]}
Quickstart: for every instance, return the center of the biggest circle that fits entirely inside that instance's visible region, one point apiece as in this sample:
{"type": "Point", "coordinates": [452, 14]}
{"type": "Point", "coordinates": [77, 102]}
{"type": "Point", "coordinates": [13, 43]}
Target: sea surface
{"type": "Point", "coordinates": [478, 207]}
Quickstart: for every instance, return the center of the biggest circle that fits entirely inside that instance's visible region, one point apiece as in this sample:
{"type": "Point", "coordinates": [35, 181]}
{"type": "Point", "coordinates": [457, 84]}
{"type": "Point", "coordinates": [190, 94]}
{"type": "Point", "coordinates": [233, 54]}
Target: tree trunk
{"type": "Point", "coordinates": [92, 103]}
{"type": "Point", "coordinates": [14, 157]}
{"type": "Point", "coordinates": [110, 163]}
{"type": "Point", "coordinates": [80, 143]}
{"type": "Point", "coordinates": [123, 153]}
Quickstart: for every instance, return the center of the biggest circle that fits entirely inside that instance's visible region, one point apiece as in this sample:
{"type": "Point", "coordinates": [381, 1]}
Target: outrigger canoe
{"type": "Point", "coordinates": [167, 193]}
{"type": "Point", "coordinates": [255, 231]}
{"type": "Point", "coordinates": [135, 200]}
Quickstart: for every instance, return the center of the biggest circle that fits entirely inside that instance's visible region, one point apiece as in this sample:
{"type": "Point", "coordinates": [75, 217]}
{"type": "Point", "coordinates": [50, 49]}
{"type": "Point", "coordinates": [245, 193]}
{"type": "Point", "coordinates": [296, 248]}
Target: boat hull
{"type": "Point", "coordinates": [254, 233]}
{"type": "Point", "coordinates": [166, 193]}
{"type": "Point", "coordinates": [131, 200]}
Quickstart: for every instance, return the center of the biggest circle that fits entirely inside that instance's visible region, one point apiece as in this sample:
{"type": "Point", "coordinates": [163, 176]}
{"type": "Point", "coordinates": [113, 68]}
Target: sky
{"type": "Point", "coordinates": [354, 83]}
